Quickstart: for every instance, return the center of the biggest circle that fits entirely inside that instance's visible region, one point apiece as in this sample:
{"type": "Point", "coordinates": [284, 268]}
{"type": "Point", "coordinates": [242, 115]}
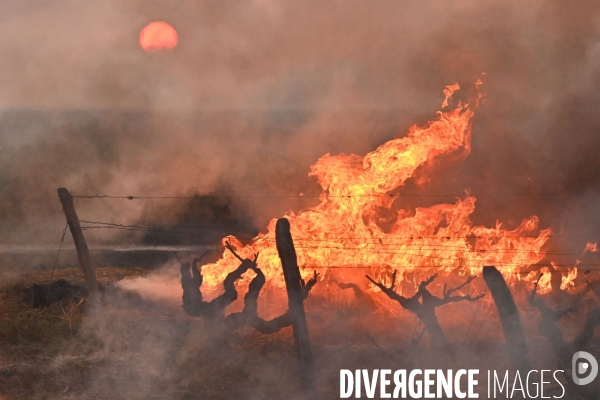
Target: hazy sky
{"type": "Point", "coordinates": [256, 91]}
{"type": "Point", "coordinates": [288, 55]}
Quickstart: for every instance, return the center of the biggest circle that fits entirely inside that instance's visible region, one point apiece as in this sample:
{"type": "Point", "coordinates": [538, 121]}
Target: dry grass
{"type": "Point", "coordinates": [140, 349]}
{"type": "Point", "coordinates": [31, 339]}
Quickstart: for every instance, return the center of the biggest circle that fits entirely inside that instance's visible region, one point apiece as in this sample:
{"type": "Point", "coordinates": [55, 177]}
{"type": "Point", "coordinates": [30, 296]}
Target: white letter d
{"type": "Point", "coordinates": [346, 391]}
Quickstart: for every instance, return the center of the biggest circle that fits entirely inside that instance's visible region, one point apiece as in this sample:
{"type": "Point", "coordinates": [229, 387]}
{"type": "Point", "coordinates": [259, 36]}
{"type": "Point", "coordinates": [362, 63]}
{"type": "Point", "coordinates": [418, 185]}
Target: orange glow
{"type": "Point", "coordinates": [345, 230]}
{"type": "Point", "coordinates": [448, 91]}
{"type": "Point", "coordinates": [591, 247]}
{"type": "Point", "coordinates": [568, 280]}
{"type": "Point", "coordinates": [158, 35]}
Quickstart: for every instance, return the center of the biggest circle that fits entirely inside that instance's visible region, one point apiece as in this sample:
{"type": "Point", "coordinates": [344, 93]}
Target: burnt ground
{"type": "Point", "coordinates": [146, 347]}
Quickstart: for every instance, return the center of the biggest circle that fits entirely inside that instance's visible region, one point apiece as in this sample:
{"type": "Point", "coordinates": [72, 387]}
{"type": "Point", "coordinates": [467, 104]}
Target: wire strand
{"type": "Point", "coordinates": [302, 244]}
{"type": "Point", "coordinates": [130, 197]}
{"type": "Point", "coordinates": [62, 239]}
{"type": "Point", "coordinates": [411, 237]}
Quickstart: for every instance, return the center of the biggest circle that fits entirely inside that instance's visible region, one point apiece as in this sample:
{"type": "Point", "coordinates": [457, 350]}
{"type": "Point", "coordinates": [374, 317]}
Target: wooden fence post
{"type": "Point", "coordinates": [509, 316]}
{"type": "Point", "coordinates": [291, 273]}
{"type": "Point", "coordinates": [83, 253]}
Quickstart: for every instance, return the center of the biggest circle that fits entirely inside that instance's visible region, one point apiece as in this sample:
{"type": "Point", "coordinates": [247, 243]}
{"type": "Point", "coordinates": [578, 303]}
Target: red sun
{"type": "Point", "coordinates": [158, 35]}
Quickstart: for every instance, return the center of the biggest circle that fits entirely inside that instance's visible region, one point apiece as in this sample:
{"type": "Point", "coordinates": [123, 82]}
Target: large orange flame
{"type": "Point", "coordinates": [344, 230]}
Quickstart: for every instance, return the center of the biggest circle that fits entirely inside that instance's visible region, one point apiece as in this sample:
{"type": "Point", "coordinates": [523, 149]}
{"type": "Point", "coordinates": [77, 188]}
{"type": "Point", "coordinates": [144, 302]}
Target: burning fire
{"type": "Point", "coordinates": [344, 230]}
{"type": "Point", "coordinates": [568, 281]}
{"type": "Point", "coordinates": [591, 247]}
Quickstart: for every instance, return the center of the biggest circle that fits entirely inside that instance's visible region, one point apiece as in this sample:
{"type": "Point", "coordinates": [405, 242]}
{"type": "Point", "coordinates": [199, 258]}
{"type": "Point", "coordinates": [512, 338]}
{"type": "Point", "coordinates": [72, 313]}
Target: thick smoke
{"type": "Point", "coordinates": [258, 90]}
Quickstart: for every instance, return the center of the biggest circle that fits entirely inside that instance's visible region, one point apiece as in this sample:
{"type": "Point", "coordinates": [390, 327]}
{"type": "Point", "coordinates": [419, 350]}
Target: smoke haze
{"type": "Point", "coordinates": [257, 91]}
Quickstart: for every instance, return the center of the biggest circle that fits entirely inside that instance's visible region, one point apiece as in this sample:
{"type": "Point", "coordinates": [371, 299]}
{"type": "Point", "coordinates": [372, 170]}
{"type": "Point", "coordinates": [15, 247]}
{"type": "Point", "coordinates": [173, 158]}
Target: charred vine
{"type": "Point", "coordinates": [423, 304]}
{"type": "Point", "coordinates": [194, 304]}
